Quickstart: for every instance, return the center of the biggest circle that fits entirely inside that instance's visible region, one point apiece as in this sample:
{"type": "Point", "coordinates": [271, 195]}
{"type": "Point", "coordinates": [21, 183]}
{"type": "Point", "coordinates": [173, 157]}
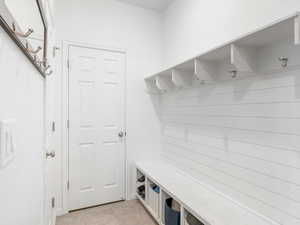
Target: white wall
{"type": "Point", "coordinates": [29, 8]}
{"type": "Point", "coordinates": [241, 137]}
{"type": "Point", "coordinates": [111, 23]}
{"type": "Point", "coordinates": [21, 98]}
{"type": "Point", "coordinates": [193, 26]}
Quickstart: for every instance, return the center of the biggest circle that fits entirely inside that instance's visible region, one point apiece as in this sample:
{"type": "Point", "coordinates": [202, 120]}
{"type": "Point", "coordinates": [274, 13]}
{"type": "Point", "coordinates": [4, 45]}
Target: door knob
{"type": "Point", "coordinates": [50, 154]}
{"type": "Point", "coordinates": [121, 134]}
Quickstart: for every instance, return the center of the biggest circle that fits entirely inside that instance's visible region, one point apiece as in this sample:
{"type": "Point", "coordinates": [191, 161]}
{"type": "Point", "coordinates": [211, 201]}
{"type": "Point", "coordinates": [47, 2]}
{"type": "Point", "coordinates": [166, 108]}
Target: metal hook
{"type": "Point", "coordinates": [49, 73]}
{"type": "Point", "coordinates": [29, 31]}
{"type": "Point", "coordinates": [39, 63]}
{"type": "Point", "coordinates": [284, 61]}
{"type": "Point", "coordinates": [39, 48]}
{"type": "Point", "coordinates": [200, 80]}
{"type": "Point", "coordinates": [47, 67]}
{"type": "Point", "coordinates": [233, 73]}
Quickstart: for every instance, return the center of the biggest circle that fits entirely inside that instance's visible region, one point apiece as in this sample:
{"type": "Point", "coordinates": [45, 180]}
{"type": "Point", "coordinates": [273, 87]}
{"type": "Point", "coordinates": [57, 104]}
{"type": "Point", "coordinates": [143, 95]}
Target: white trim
{"type": "Point", "coordinates": [94, 46]}
{"type": "Point", "coordinates": [59, 72]}
{"type": "Point", "coordinates": [65, 116]}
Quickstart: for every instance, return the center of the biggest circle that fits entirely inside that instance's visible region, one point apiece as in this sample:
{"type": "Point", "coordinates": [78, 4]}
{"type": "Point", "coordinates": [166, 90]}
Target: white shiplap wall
{"type": "Point", "coordinates": [242, 137]}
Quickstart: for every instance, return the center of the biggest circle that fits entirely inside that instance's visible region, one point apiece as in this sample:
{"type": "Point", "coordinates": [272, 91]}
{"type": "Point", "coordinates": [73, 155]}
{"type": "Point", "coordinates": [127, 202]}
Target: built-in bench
{"type": "Point", "coordinates": [202, 201]}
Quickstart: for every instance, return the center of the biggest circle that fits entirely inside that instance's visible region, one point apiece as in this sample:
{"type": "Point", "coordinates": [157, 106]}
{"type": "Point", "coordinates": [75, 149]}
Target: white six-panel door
{"type": "Point", "coordinates": [96, 130]}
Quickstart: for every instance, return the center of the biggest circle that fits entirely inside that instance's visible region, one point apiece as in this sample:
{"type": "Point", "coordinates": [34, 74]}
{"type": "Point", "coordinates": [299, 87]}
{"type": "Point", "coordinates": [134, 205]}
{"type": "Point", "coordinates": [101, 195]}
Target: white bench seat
{"type": "Point", "coordinates": [201, 200]}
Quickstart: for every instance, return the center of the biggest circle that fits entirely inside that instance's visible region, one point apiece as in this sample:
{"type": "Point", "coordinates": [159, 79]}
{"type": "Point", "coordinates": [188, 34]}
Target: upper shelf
{"type": "Point", "coordinates": [273, 47]}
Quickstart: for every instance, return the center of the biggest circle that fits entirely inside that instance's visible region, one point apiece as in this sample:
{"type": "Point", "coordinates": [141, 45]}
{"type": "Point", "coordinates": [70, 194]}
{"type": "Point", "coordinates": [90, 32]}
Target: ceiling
{"type": "Point", "coordinates": [158, 5]}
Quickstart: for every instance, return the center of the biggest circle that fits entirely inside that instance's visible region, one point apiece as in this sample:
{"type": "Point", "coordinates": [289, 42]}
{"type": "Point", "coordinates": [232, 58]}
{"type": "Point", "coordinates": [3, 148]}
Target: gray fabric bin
{"type": "Point", "coordinates": [172, 217]}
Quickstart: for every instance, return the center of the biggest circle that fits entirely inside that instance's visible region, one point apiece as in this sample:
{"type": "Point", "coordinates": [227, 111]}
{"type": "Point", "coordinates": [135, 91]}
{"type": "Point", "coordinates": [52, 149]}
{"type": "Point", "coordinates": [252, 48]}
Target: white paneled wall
{"type": "Point", "coordinates": [243, 138]}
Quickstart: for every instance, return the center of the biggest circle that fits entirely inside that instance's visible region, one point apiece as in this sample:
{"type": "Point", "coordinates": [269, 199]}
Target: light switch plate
{"type": "Point", "coordinates": [7, 142]}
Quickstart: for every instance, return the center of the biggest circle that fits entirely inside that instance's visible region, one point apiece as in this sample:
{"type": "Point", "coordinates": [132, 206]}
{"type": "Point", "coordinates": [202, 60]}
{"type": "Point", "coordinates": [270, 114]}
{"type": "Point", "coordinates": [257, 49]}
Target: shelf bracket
{"type": "Point", "coordinates": [297, 29]}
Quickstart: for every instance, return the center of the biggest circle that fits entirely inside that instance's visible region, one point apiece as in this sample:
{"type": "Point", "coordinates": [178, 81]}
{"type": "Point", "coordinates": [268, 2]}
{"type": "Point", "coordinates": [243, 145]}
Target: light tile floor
{"type": "Point", "coordinates": [120, 213]}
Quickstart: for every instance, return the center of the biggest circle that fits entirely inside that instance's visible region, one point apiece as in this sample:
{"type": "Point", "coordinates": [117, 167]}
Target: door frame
{"type": "Point", "coordinates": [65, 116]}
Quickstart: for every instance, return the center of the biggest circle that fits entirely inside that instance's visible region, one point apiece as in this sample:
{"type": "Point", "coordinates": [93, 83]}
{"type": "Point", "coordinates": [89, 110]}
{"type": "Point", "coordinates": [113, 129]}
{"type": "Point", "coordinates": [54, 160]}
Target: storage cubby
{"type": "Point", "coordinates": [189, 218]}
{"type": "Point", "coordinates": [170, 210]}
{"type": "Point", "coordinates": [271, 49]}
{"type": "Point", "coordinates": [140, 185]}
{"type": "Point", "coordinates": [153, 196]}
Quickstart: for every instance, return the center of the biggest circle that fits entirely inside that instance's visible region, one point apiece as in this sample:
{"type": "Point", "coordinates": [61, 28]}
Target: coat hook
{"type": "Point", "coordinates": [233, 73]}
{"type": "Point", "coordinates": [200, 80]}
{"type": "Point", "coordinates": [29, 31]}
{"type": "Point", "coordinates": [39, 48]}
{"type": "Point", "coordinates": [49, 73]}
{"type": "Point", "coordinates": [284, 61]}
{"type": "Point", "coordinates": [47, 67]}
{"type": "Point", "coordinates": [39, 63]}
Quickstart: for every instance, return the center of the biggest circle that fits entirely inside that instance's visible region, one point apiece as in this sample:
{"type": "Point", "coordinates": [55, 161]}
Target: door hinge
{"type": "Point", "coordinates": [68, 185]}
{"type": "Point", "coordinates": [53, 202]}
{"type": "Point", "coordinates": [68, 64]}
{"type": "Point", "coordinates": [55, 48]}
{"type": "Point", "coordinates": [53, 126]}
{"type": "Point", "coordinates": [68, 124]}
